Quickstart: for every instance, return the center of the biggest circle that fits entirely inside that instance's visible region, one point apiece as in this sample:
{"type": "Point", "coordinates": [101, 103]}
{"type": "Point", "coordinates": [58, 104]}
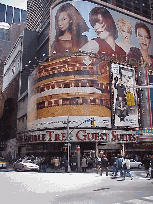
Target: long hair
{"type": "Point", "coordinates": [77, 23]}
{"type": "Point", "coordinates": [107, 19]}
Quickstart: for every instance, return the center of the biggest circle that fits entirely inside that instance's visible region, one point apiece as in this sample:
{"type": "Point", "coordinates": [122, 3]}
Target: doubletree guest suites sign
{"type": "Point", "coordinates": [82, 135]}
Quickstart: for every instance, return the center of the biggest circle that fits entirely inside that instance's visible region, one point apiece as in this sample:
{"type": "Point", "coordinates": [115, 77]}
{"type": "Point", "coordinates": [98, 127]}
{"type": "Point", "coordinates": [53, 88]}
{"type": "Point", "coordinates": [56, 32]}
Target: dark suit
{"type": "Point", "coordinates": [121, 109]}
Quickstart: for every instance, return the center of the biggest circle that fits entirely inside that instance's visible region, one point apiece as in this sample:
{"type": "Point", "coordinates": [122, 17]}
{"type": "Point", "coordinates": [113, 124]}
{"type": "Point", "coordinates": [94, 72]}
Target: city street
{"type": "Point", "coordinates": [85, 188]}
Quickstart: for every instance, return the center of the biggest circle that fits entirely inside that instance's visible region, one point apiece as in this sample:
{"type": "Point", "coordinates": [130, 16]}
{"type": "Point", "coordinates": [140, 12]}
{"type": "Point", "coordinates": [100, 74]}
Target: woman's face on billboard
{"type": "Point", "coordinates": [143, 38]}
{"type": "Point", "coordinates": [126, 33]}
{"type": "Point", "coordinates": [63, 21]}
{"type": "Point", "coordinates": [100, 28]}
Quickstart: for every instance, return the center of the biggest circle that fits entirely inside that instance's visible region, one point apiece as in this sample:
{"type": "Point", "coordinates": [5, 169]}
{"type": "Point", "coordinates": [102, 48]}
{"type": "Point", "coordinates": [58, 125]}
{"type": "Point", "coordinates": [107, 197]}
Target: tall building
{"type": "Point", "coordinates": [12, 24]}
{"type": "Point", "coordinates": [84, 86]}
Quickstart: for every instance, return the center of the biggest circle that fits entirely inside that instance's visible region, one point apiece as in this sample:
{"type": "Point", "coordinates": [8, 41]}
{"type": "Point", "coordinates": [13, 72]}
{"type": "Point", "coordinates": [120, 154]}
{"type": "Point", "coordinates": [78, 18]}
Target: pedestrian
{"type": "Point", "coordinates": [126, 167]}
{"type": "Point", "coordinates": [146, 161]}
{"type": "Point", "coordinates": [52, 163]}
{"type": "Point", "coordinates": [44, 164]}
{"type": "Point", "coordinates": [90, 163]}
{"type": "Point", "coordinates": [104, 165]}
{"type": "Point", "coordinates": [84, 164]}
{"type": "Point", "coordinates": [113, 162]}
{"type": "Point", "coordinates": [66, 165]}
{"type": "Point", "coordinates": [119, 161]}
{"type": "Point", "coordinates": [56, 163]}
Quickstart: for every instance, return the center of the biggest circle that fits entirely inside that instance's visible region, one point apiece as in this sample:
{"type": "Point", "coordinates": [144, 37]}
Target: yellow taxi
{"type": "Point", "coordinates": [2, 163]}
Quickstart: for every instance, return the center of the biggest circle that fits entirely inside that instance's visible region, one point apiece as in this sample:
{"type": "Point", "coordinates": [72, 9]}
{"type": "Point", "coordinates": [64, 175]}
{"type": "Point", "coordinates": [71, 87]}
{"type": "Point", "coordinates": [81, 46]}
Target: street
{"type": "Point", "coordinates": [73, 188]}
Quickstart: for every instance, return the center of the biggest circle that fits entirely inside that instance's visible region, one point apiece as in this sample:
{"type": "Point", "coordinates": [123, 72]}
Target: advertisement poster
{"type": "Point", "coordinates": [151, 95]}
{"type": "Point", "coordinates": [125, 96]}
{"type": "Point", "coordinates": [100, 30]}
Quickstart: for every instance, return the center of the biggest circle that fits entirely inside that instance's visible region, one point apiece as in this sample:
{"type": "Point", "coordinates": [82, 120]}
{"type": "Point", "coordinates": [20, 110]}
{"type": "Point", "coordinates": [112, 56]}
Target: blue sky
{"type": "Point", "coordinates": [22, 4]}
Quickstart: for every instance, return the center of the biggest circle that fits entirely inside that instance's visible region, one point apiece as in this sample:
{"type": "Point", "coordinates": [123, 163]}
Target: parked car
{"type": "Point", "coordinates": [135, 164]}
{"type": "Point", "coordinates": [2, 163]}
{"type": "Point", "coordinates": [25, 165]}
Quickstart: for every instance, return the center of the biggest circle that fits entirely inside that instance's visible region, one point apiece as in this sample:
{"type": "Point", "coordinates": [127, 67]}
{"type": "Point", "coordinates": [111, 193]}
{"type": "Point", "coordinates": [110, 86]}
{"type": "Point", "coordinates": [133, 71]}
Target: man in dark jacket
{"type": "Point", "coordinates": [146, 161]}
{"type": "Point", "coordinates": [104, 165]}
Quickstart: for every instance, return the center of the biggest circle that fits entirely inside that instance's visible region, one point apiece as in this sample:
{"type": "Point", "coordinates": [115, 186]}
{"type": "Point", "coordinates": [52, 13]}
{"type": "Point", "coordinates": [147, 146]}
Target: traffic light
{"type": "Point", "coordinates": [93, 123]}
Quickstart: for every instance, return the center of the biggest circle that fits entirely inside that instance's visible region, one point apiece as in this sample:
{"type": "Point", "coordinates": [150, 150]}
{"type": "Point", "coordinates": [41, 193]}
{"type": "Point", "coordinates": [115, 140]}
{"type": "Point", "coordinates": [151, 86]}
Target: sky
{"type": "Point", "coordinates": [22, 4]}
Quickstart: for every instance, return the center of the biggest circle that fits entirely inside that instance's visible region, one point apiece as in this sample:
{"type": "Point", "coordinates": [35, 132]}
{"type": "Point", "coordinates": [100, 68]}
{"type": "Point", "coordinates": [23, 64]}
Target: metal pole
{"type": "Point", "coordinates": [69, 169]}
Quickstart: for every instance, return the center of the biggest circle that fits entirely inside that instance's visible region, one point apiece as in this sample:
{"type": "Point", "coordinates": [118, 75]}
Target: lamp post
{"type": "Point", "coordinates": [69, 169]}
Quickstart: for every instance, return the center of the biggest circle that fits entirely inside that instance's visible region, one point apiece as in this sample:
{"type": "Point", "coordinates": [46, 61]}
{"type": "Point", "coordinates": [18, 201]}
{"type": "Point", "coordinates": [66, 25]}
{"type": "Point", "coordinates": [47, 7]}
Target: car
{"type": "Point", "coordinates": [25, 165]}
{"type": "Point", "coordinates": [135, 164]}
{"type": "Point", "coordinates": [2, 163]}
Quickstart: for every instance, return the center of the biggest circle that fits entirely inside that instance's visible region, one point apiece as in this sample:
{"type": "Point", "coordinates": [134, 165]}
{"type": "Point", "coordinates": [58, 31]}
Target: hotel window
{"type": "Point", "coordinates": [67, 85]}
{"type": "Point", "coordinates": [93, 101]}
{"type": "Point", "coordinates": [42, 89]}
{"type": "Point", "coordinates": [56, 102]}
{"type": "Point", "coordinates": [74, 101]}
{"type": "Point", "coordinates": [76, 84]}
{"type": "Point", "coordinates": [53, 86]}
{"type": "Point", "coordinates": [83, 84]}
{"type": "Point", "coordinates": [49, 103]}
{"type": "Point", "coordinates": [84, 101]}
{"type": "Point", "coordinates": [41, 105]}
{"type": "Point", "coordinates": [65, 101]}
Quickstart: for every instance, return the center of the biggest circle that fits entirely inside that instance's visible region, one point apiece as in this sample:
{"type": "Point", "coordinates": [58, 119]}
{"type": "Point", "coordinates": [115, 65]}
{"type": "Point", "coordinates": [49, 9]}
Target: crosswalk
{"type": "Point", "coordinates": [143, 200]}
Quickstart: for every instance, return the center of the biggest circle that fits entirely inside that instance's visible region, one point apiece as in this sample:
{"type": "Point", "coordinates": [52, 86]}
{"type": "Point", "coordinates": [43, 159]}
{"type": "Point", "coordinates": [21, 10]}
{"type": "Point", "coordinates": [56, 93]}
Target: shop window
{"type": "Point", "coordinates": [84, 101]}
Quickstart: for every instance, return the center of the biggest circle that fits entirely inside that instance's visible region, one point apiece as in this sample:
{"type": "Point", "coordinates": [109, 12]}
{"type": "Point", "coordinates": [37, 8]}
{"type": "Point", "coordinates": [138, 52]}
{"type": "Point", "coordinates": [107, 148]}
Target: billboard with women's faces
{"type": "Point", "coordinates": [100, 30]}
{"type": "Point", "coordinates": [125, 97]}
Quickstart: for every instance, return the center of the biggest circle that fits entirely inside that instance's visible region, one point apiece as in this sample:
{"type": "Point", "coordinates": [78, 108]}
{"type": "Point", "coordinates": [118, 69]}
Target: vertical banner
{"type": "Point", "coordinates": [151, 95]}
{"type": "Point", "coordinates": [125, 96]}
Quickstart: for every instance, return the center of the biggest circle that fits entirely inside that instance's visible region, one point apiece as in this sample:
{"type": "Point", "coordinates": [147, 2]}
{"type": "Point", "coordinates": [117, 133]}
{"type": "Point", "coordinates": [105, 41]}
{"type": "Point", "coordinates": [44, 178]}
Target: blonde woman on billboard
{"type": "Point", "coordinates": [125, 29]}
{"type": "Point", "coordinates": [69, 25]}
{"type": "Point", "coordinates": [144, 38]}
{"type": "Point", "coordinates": [103, 23]}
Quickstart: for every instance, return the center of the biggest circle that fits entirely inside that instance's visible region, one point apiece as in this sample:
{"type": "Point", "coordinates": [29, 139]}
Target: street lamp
{"type": "Point", "coordinates": [69, 169]}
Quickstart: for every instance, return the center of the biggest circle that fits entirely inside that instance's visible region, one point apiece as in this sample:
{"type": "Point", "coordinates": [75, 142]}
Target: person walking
{"type": "Point", "coordinates": [146, 161]}
{"type": "Point", "coordinates": [104, 165]}
{"type": "Point", "coordinates": [113, 163]}
{"type": "Point", "coordinates": [119, 161]}
{"type": "Point", "coordinates": [84, 164]}
{"type": "Point", "coordinates": [126, 167]}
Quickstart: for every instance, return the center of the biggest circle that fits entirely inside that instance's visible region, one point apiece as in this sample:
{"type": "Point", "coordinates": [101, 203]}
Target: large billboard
{"type": "Point", "coordinates": [87, 26]}
{"type": "Point", "coordinates": [125, 96]}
